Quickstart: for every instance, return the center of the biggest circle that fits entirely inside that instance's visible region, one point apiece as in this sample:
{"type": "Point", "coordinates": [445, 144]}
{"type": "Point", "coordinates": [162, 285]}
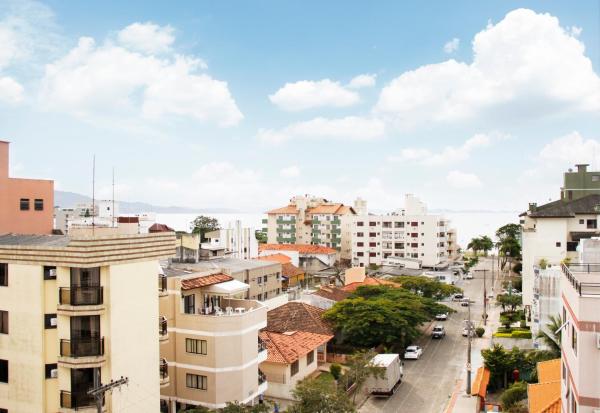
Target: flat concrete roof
{"type": "Point", "coordinates": [231, 264]}
{"type": "Point", "coordinates": [35, 240]}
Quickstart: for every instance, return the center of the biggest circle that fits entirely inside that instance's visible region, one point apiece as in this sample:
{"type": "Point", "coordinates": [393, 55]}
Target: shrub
{"type": "Point", "coordinates": [504, 330]}
{"type": "Point", "coordinates": [517, 268]}
{"type": "Point", "coordinates": [543, 263]}
{"type": "Point", "coordinates": [503, 335]}
{"type": "Point", "coordinates": [515, 393]}
{"type": "Point", "coordinates": [335, 370]}
{"type": "Point", "coordinates": [521, 334]}
{"type": "Point", "coordinates": [479, 331]}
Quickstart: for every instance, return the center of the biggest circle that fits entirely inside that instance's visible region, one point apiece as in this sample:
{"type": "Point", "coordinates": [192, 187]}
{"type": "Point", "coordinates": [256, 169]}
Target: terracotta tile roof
{"type": "Point", "coordinates": [290, 346]}
{"type": "Point", "coordinates": [543, 396]}
{"type": "Point", "coordinates": [290, 270]}
{"type": "Point", "coordinates": [204, 281]}
{"type": "Point", "coordinates": [350, 288]}
{"type": "Point", "coordinates": [290, 209]}
{"type": "Point", "coordinates": [160, 228]}
{"type": "Point", "coordinates": [554, 407]}
{"type": "Point", "coordinates": [332, 293]}
{"type": "Point", "coordinates": [482, 378]}
{"type": "Point", "coordinates": [336, 209]}
{"type": "Point", "coordinates": [296, 316]}
{"type": "Point", "coordinates": [280, 258]}
{"type": "Point", "coordinates": [548, 370]}
{"type": "Point", "coordinates": [301, 248]}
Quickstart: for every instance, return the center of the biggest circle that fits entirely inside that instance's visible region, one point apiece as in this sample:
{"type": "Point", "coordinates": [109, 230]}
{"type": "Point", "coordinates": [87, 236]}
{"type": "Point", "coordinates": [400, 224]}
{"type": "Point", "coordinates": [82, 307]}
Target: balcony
{"type": "Point", "coordinates": [336, 221]}
{"type": "Point", "coordinates": [262, 350]}
{"type": "Point", "coordinates": [162, 286]}
{"type": "Point", "coordinates": [164, 373]}
{"type": "Point", "coordinates": [262, 378]}
{"type": "Point", "coordinates": [281, 221]}
{"type": "Point", "coordinates": [80, 299]}
{"type": "Point", "coordinates": [76, 401]}
{"type": "Point", "coordinates": [163, 333]}
{"type": "Point", "coordinates": [82, 352]}
{"type": "Point", "coordinates": [584, 278]}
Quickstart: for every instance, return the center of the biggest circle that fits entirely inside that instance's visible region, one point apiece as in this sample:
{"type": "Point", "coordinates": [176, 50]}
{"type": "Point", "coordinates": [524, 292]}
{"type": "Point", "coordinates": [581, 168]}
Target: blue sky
{"type": "Point", "coordinates": [469, 105]}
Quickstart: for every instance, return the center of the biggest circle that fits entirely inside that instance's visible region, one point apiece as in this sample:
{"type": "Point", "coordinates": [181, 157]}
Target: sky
{"type": "Point", "coordinates": [468, 105]}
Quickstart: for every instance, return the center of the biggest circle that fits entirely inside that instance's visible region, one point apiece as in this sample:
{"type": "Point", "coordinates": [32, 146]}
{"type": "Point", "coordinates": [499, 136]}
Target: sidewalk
{"type": "Point", "coordinates": [460, 402]}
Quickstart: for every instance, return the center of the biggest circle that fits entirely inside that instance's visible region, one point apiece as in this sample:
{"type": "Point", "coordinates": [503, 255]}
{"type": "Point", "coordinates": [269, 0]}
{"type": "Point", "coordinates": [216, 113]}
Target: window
{"type": "Point", "coordinates": [399, 245]}
{"type": "Point", "coordinates": [564, 371]}
{"type": "Point", "coordinates": [3, 371]}
{"type": "Point", "coordinates": [49, 321]}
{"type": "Point", "coordinates": [360, 244]}
{"type": "Point", "coordinates": [360, 224]}
{"type": "Point", "coordinates": [24, 204]}
{"type": "Point", "coordinates": [49, 273]}
{"type": "Point", "coordinates": [259, 297]}
{"type": "Point", "coordinates": [265, 279]}
{"type": "Point", "coordinates": [3, 275]}
{"type": "Point", "coordinates": [592, 224]}
{"type": "Point", "coordinates": [414, 224]}
{"type": "Point", "coordinates": [581, 221]}
{"type": "Point", "coordinates": [558, 244]}
{"type": "Point", "coordinates": [372, 244]}
{"type": "Point", "coordinates": [259, 280]}
{"type": "Point", "coordinates": [38, 204]}
{"type": "Point", "coordinates": [3, 410]}
{"type": "Point", "coordinates": [266, 295]}
{"type": "Point", "coordinates": [574, 339]}
{"type": "Point", "coordinates": [294, 368]}
{"type": "Point", "coordinates": [310, 358]}
{"type": "Point", "coordinates": [195, 346]}
{"type": "Point", "coordinates": [595, 178]}
{"type": "Point", "coordinates": [398, 224]}
{"type": "Point", "coordinates": [372, 254]}
{"type": "Point", "coordinates": [3, 322]}
{"type": "Point", "coordinates": [51, 371]}
{"type": "Point", "coordinates": [189, 303]}
{"type": "Point", "coordinates": [372, 234]}
{"type": "Point", "coordinates": [414, 245]}
{"type": "Point", "coordinates": [372, 224]}
{"type": "Point", "coordinates": [195, 381]}
{"type": "Point", "coordinates": [360, 254]}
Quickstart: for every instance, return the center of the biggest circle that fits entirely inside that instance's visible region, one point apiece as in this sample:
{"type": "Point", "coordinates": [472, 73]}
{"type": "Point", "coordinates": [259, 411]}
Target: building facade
{"type": "Point", "coordinates": [312, 220]}
{"type": "Point", "coordinates": [26, 205]}
{"type": "Point", "coordinates": [76, 313]}
{"type": "Point", "coordinates": [408, 233]}
{"type": "Point", "coordinates": [239, 242]}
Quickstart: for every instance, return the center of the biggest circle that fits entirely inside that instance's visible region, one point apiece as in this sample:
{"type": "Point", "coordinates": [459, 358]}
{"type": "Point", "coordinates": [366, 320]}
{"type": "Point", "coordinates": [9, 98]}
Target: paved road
{"type": "Point", "coordinates": [429, 382]}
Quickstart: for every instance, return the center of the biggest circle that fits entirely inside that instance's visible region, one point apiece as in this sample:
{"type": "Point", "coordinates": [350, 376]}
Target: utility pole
{"type": "Point", "coordinates": [484, 296]}
{"type": "Point", "coordinates": [98, 392]}
{"type": "Point", "coordinates": [468, 390]}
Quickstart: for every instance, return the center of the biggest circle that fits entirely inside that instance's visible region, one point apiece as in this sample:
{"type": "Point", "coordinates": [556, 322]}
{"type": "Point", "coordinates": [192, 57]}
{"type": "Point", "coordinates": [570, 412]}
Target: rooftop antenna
{"type": "Point", "coordinates": [93, 192]}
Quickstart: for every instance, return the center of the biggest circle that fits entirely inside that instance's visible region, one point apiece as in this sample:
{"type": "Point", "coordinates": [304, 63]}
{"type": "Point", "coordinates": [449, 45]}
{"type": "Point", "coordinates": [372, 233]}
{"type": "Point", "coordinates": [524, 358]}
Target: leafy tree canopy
{"type": "Point", "coordinates": [313, 395]}
{"type": "Point", "coordinates": [508, 231]}
{"type": "Point", "coordinates": [427, 287]}
{"type": "Point", "coordinates": [203, 224]}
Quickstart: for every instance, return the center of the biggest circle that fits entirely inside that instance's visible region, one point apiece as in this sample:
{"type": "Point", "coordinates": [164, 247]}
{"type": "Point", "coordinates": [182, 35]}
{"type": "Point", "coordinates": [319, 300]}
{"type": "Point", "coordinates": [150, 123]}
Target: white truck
{"type": "Point", "coordinates": [387, 384]}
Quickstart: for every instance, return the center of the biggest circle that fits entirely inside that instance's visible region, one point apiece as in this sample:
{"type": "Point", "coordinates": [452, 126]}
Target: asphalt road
{"type": "Point", "coordinates": [428, 382]}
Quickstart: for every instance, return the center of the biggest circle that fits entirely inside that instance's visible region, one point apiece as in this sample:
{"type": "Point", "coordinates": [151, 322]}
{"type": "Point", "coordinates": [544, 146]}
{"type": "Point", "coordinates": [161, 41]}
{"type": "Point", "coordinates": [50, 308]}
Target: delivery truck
{"type": "Point", "coordinates": [386, 384]}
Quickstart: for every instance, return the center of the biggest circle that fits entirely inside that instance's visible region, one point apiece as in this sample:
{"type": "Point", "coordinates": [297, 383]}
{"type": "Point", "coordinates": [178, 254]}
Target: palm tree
{"type": "Point", "coordinates": [550, 337]}
{"type": "Point", "coordinates": [476, 245]}
{"type": "Point", "coordinates": [486, 244]}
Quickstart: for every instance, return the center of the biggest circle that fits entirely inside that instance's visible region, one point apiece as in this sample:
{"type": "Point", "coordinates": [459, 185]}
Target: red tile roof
{"type": "Point", "coordinates": [350, 288]}
{"type": "Point", "coordinates": [160, 228]}
{"type": "Point", "coordinates": [290, 209]}
{"type": "Point", "coordinates": [542, 397]}
{"type": "Point", "coordinates": [301, 248]}
{"type": "Point", "coordinates": [297, 316]}
{"type": "Point", "coordinates": [290, 270]}
{"type": "Point", "coordinates": [336, 209]}
{"type": "Point", "coordinates": [332, 293]}
{"type": "Point", "coordinates": [204, 281]}
{"type": "Point", "coordinates": [288, 347]}
{"type": "Point", "coordinates": [280, 258]}
{"type": "Point", "coordinates": [482, 378]}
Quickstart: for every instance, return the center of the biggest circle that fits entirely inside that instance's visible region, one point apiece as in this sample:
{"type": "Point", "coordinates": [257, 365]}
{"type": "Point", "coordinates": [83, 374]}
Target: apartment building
{"type": "Point", "coordinates": [237, 241]}
{"type": "Point", "coordinates": [310, 258]}
{"type": "Point", "coordinates": [407, 233]}
{"type": "Point", "coordinates": [25, 204]}
{"type": "Point", "coordinates": [452, 248]}
{"type": "Point", "coordinates": [77, 313]}
{"type": "Point", "coordinates": [209, 344]}
{"type": "Point", "coordinates": [312, 220]}
{"type": "Point", "coordinates": [580, 337]}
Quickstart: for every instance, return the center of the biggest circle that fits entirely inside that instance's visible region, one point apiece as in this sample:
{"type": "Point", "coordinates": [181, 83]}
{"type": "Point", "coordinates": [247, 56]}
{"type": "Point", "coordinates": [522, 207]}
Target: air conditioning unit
{"type": "Point", "coordinates": [53, 322]}
{"type": "Point", "coordinates": [54, 373]}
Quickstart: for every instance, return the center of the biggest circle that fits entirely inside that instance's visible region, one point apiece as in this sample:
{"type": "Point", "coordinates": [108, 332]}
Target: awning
{"type": "Point", "coordinates": [227, 288]}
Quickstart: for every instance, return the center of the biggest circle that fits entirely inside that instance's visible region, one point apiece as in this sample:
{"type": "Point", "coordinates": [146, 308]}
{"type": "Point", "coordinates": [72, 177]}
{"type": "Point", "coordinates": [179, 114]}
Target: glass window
{"type": "Point", "coordinates": [51, 371]}
{"type": "Point", "coordinates": [24, 204]}
{"type": "Point", "coordinates": [49, 273]}
{"type": "Point", "coordinates": [360, 224]}
{"type": "Point", "coordinates": [195, 346]}
{"type": "Point", "coordinates": [195, 381]}
{"type": "Point", "coordinates": [3, 371]}
{"type": "Point", "coordinates": [294, 368]}
{"type": "Point", "coordinates": [3, 275]}
{"type": "Point", "coordinates": [574, 339]}
{"type": "Point", "coordinates": [310, 358]}
{"type": "Point", "coordinates": [189, 302]}
{"type": "Point", "coordinates": [3, 322]}
{"type": "Point", "coordinates": [360, 234]}
{"type": "Point", "coordinates": [49, 321]}
{"type": "Point", "coordinates": [38, 204]}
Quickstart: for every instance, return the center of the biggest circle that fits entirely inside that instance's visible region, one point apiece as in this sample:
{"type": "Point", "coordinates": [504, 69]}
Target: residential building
{"type": "Point", "coordinates": [75, 313]}
{"type": "Point", "coordinates": [545, 395]}
{"type": "Point", "coordinates": [325, 297]}
{"type": "Point", "coordinates": [580, 340]}
{"type": "Point", "coordinates": [310, 258]}
{"type": "Point", "coordinates": [296, 337]}
{"type": "Point", "coordinates": [452, 247]}
{"type": "Point", "coordinates": [209, 343]}
{"type": "Point", "coordinates": [312, 220]}
{"type": "Point", "coordinates": [25, 204]}
{"type": "Point", "coordinates": [238, 241]}
{"type": "Point", "coordinates": [100, 213]}
{"type": "Point", "coordinates": [293, 277]}
{"type": "Point", "coordinates": [407, 233]}
{"type": "Point", "coordinates": [580, 183]}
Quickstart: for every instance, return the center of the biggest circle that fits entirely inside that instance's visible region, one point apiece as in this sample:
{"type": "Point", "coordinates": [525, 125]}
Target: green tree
{"type": "Point", "coordinates": [360, 368]}
{"type": "Point", "coordinates": [549, 336]}
{"type": "Point", "coordinates": [240, 408]}
{"type": "Point", "coordinates": [475, 245]}
{"type": "Point", "coordinates": [513, 395]}
{"type": "Point", "coordinates": [509, 302]}
{"type": "Point", "coordinates": [486, 244]}
{"type": "Point", "coordinates": [335, 370]}
{"type": "Point", "coordinates": [260, 236]}
{"type": "Point", "coordinates": [508, 231]}
{"type": "Point", "coordinates": [427, 287]}
{"type": "Point", "coordinates": [203, 224]}
{"type": "Point", "coordinates": [498, 361]}
{"type": "Point", "coordinates": [316, 396]}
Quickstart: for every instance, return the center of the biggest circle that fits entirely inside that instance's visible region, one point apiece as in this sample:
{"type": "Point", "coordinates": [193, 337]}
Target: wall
{"type": "Point", "coordinates": [279, 371]}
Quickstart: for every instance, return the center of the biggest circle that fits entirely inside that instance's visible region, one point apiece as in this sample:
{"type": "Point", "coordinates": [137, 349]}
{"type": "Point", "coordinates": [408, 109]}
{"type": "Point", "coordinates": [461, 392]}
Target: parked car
{"type": "Point", "coordinates": [413, 352]}
{"type": "Point", "coordinates": [457, 297]}
{"type": "Point", "coordinates": [386, 384]}
{"type": "Point", "coordinates": [465, 302]}
{"type": "Point", "coordinates": [438, 332]}
{"type": "Point", "coordinates": [441, 317]}
{"type": "Point", "coordinates": [469, 276]}
{"type": "Point", "coordinates": [468, 327]}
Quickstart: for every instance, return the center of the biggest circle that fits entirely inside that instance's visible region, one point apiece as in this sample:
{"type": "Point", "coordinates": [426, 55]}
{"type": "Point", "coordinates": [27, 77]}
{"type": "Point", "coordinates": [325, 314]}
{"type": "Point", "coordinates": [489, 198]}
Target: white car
{"type": "Point", "coordinates": [466, 330]}
{"type": "Point", "coordinates": [441, 317]}
{"type": "Point", "coordinates": [469, 276]}
{"type": "Point", "coordinates": [413, 352]}
{"type": "Point", "coordinates": [465, 302]}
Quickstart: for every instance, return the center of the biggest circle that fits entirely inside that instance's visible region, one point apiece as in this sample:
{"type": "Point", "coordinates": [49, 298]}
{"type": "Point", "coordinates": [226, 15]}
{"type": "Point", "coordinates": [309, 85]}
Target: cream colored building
{"type": "Point", "coordinates": [312, 220]}
{"type": "Point", "coordinates": [77, 312]}
{"type": "Point", "coordinates": [209, 344]}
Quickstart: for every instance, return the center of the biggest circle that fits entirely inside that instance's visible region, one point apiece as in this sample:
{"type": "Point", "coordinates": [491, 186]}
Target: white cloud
{"type": "Point", "coordinates": [111, 81]}
{"type": "Point", "coordinates": [571, 149]}
{"type": "Point", "coordinates": [452, 45]}
{"type": "Point", "coordinates": [147, 37]}
{"type": "Point", "coordinates": [449, 154]}
{"type": "Point", "coordinates": [364, 80]}
{"type": "Point", "coordinates": [290, 172]}
{"type": "Point", "coordinates": [463, 180]}
{"type": "Point", "coordinates": [11, 91]}
{"type": "Point", "coordinates": [307, 94]}
{"type": "Point", "coordinates": [527, 62]}
{"type": "Point", "coordinates": [348, 128]}
{"type": "Point", "coordinates": [576, 31]}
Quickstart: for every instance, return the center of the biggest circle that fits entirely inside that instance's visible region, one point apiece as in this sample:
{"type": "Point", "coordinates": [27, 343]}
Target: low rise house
{"type": "Point", "coordinates": [325, 297]}
{"type": "Point", "coordinates": [545, 395]}
{"type": "Point", "coordinates": [310, 258]}
{"type": "Point", "coordinates": [293, 277]}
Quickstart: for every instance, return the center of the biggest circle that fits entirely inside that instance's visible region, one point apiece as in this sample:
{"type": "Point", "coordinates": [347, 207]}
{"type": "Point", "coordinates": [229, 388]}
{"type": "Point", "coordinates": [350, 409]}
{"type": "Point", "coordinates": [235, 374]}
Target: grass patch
{"type": "Point", "coordinates": [325, 378]}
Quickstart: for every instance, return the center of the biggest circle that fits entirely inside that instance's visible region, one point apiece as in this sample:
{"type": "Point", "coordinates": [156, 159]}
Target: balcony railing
{"type": "Point", "coordinates": [583, 288]}
{"type": "Point", "coordinates": [75, 400]}
{"type": "Point", "coordinates": [81, 295]}
{"type": "Point", "coordinates": [261, 377]}
{"type": "Point", "coordinates": [164, 369]}
{"type": "Point", "coordinates": [162, 326]}
{"type": "Point", "coordinates": [162, 283]}
{"type": "Point", "coordinates": [262, 346]}
{"type": "Point", "coordinates": [82, 347]}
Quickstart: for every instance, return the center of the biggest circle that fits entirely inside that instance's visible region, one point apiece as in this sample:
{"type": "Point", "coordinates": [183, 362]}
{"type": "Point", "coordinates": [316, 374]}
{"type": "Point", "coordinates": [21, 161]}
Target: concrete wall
{"type": "Point", "coordinates": [281, 382]}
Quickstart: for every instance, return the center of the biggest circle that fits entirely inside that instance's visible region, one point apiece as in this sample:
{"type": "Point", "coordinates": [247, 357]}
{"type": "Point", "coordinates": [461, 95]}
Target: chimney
{"type": "Point", "coordinates": [582, 167]}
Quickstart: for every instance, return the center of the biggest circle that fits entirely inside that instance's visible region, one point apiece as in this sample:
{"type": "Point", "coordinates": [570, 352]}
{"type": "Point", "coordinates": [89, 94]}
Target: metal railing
{"type": "Point", "coordinates": [163, 369]}
{"type": "Point", "coordinates": [162, 326]}
{"type": "Point", "coordinates": [81, 295]}
{"type": "Point", "coordinates": [82, 347]}
{"type": "Point", "coordinates": [262, 346]}
{"type": "Point", "coordinates": [75, 400]}
{"type": "Point", "coordinates": [582, 288]}
{"type": "Point", "coordinates": [162, 283]}
{"type": "Point", "coordinates": [261, 377]}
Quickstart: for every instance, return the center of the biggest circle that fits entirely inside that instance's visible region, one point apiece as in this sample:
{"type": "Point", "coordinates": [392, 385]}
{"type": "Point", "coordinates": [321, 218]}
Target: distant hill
{"type": "Point", "coordinates": [67, 199]}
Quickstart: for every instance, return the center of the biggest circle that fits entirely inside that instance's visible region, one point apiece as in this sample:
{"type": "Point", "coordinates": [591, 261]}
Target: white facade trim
{"type": "Point", "coordinates": [215, 369]}
{"type": "Point", "coordinates": [255, 327]}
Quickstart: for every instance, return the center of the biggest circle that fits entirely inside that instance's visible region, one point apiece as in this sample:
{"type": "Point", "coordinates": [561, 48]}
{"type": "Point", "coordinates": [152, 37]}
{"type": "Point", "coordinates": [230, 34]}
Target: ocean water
{"type": "Point", "coordinates": [467, 224]}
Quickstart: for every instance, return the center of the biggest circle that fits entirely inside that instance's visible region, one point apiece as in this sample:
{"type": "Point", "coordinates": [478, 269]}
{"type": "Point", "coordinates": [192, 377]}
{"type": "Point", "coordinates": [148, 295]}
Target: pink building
{"type": "Point", "coordinates": [26, 205]}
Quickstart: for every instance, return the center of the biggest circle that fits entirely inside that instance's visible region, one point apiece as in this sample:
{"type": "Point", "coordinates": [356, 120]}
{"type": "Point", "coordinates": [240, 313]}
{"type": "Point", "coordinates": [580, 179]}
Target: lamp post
{"type": "Point", "coordinates": [469, 327]}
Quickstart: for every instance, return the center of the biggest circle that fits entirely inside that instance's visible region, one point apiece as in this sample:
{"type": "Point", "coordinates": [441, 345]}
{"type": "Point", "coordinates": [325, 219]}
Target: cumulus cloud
{"type": "Point", "coordinates": [526, 62]}
{"type": "Point", "coordinates": [571, 149]}
{"type": "Point", "coordinates": [109, 80]}
{"type": "Point", "coordinates": [290, 172]}
{"type": "Point", "coordinates": [308, 94]}
{"type": "Point", "coordinates": [452, 45]}
{"type": "Point", "coordinates": [147, 37]}
{"type": "Point", "coordinates": [463, 180]}
{"type": "Point", "coordinates": [449, 154]}
{"type": "Point", "coordinates": [364, 80]}
{"type": "Point", "coordinates": [350, 128]}
{"type": "Point", "coordinates": [11, 91]}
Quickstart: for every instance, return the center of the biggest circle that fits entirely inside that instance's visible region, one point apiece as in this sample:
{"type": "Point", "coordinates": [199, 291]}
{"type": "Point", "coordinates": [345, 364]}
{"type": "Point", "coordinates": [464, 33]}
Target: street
{"type": "Point", "coordinates": [429, 381]}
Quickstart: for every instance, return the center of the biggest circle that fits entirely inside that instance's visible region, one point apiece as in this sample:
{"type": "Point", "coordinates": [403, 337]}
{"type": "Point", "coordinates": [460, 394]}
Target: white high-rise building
{"type": "Point", "coordinates": [239, 242]}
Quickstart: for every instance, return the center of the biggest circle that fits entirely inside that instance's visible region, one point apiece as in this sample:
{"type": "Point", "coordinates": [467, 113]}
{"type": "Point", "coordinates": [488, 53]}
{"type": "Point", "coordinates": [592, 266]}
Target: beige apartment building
{"type": "Point", "coordinates": [209, 344]}
{"type": "Point", "coordinates": [76, 313]}
{"type": "Point", "coordinates": [312, 220]}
